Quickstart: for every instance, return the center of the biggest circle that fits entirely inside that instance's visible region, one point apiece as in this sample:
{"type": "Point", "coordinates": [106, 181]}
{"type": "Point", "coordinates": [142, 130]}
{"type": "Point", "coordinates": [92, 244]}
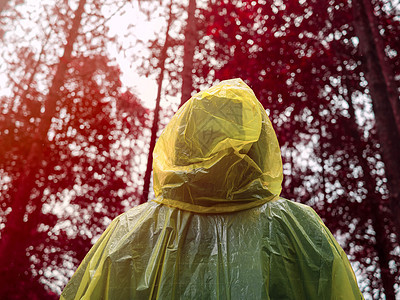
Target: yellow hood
{"type": "Point", "coordinates": [219, 153]}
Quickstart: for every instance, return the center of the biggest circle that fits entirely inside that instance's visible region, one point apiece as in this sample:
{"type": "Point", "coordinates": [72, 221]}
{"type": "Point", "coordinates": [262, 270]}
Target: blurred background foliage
{"type": "Point", "coordinates": [74, 139]}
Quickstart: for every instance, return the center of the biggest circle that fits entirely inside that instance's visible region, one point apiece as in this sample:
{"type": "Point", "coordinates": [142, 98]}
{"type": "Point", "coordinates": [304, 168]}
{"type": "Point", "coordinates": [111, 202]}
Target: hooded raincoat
{"type": "Point", "coordinates": [217, 228]}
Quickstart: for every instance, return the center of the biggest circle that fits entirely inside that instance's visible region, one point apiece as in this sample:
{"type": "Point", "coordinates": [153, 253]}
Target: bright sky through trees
{"type": "Point", "coordinates": [129, 32]}
{"type": "Point", "coordinates": [305, 60]}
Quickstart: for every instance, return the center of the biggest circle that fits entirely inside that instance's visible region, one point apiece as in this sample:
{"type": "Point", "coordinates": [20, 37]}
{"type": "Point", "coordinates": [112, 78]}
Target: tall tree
{"type": "Point", "coordinates": [385, 97]}
{"type": "Point", "coordinates": [376, 211]}
{"type": "Point", "coordinates": [15, 218]}
{"type": "Point", "coordinates": [188, 52]}
{"type": "Point", "coordinates": [377, 45]}
{"type": "Point", "coordinates": [297, 57]}
{"type": "Point", "coordinates": [155, 125]}
{"type": "Point", "coordinates": [64, 164]}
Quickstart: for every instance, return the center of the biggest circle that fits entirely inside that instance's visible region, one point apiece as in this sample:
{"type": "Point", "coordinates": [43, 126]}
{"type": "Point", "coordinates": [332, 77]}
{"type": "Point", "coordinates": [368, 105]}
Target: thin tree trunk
{"type": "Point", "coordinates": [154, 127]}
{"type": "Point", "coordinates": [12, 237]}
{"type": "Point", "coordinates": [389, 137]}
{"type": "Point", "coordinates": [189, 46]}
{"type": "Point", "coordinates": [323, 173]}
{"type": "Point", "coordinates": [292, 172]}
{"type": "Point", "coordinates": [373, 200]}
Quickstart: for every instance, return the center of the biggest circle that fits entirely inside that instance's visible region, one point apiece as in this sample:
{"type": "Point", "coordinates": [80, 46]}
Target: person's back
{"type": "Point", "coordinates": [217, 228]}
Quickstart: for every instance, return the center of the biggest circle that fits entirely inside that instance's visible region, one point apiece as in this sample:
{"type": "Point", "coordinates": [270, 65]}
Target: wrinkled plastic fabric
{"type": "Point", "coordinates": [219, 153]}
{"type": "Point", "coordinates": [217, 228]}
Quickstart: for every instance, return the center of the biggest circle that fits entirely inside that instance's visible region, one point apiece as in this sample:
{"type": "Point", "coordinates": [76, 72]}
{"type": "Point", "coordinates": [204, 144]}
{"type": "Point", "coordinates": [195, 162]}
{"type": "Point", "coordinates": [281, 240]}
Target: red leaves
{"type": "Point", "coordinates": [85, 172]}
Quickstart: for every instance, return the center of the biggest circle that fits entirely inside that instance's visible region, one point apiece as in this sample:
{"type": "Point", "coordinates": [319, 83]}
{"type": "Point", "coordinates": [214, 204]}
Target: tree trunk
{"type": "Point", "coordinates": [387, 70]}
{"type": "Point", "coordinates": [389, 137]}
{"type": "Point", "coordinates": [189, 46]}
{"type": "Point", "coordinates": [373, 200]}
{"type": "Point", "coordinates": [154, 127]}
{"type": "Point", "coordinates": [12, 237]}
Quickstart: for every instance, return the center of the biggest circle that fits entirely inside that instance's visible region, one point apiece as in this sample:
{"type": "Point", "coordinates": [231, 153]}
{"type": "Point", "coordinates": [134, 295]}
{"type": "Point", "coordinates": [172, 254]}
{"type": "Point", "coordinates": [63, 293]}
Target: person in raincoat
{"type": "Point", "coordinates": [217, 228]}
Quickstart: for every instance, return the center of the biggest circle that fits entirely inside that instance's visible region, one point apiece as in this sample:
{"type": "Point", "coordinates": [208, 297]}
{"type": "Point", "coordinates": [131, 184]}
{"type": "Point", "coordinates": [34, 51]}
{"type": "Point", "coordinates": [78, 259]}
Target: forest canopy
{"type": "Point", "coordinates": [75, 135]}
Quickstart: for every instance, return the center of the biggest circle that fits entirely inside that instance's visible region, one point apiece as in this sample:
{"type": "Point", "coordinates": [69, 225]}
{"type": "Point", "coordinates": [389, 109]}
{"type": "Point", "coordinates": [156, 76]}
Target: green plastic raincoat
{"type": "Point", "coordinates": [217, 228]}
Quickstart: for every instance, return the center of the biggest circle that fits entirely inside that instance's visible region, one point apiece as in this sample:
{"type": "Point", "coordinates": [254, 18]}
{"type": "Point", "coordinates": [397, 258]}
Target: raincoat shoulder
{"type": "Point", "coordinates": [280, 250]}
